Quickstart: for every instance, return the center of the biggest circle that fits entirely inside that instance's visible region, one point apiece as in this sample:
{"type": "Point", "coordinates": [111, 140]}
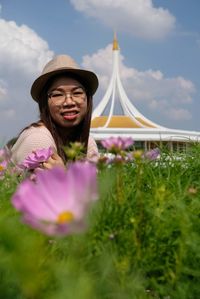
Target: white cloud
{"type": "Point", "coordinates": [21, 48]}
{"type": "Point", "coordinates": [22, 56]}
{"type": "Point", "coordinates": [151, 88]}
{"type": "Point", "coordinates": [138, 17]}
{"type": "Point", "coordinates": [179, 114]}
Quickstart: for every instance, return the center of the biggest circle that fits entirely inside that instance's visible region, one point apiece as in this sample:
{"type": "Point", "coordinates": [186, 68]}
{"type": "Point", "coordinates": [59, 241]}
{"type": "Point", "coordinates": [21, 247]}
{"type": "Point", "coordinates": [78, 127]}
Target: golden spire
{"type": "Point", "coordinates": [115, 42]}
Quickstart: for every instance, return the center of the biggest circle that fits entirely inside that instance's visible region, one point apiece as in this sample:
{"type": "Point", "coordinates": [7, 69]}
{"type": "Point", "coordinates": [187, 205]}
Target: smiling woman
{"type": "Point", "coordinates": [64, 94]}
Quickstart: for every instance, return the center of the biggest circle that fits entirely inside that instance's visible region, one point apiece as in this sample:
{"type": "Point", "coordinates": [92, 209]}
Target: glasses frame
{"type": "Point", "coordinates": [66, 94]}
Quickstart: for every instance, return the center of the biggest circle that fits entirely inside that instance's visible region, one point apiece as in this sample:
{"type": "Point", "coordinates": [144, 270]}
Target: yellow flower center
{"type": "Point", "coordinates": [65, 217]}
{"type": "Point", "coordinates": [1, 168]}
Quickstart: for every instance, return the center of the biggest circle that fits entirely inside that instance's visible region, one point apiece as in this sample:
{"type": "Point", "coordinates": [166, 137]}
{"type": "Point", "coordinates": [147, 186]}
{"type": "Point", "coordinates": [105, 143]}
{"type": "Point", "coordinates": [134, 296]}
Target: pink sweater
{"type": "Point", "coordinates": [40, 137]}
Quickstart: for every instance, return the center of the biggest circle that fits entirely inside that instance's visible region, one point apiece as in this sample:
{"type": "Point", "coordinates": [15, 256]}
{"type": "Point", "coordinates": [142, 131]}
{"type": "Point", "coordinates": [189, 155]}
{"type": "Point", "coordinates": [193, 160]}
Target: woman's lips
{"type": "Point", "coordinates": [70, 115]}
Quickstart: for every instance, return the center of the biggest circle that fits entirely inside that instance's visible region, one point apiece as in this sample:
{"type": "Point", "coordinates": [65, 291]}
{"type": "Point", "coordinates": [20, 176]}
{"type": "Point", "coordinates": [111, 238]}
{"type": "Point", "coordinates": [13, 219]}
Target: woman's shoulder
{"type": "Point", "coordinates": [31, 134]}
{"type": "Point", "coordinates": [35, 134]}
{"type": "Point", "coordinates": [35, 130]}
{"type": "Point", "coordinates": [30, 139]}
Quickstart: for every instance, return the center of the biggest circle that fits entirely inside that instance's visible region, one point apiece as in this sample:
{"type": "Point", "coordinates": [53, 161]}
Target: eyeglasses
{"type": "Point", "coordinates": [78, 95]}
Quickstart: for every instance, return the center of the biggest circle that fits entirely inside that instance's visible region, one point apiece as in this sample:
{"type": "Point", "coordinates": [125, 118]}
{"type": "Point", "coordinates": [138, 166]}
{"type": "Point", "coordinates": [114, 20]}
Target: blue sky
{"type": "Point", "coordinates": [159, 54]}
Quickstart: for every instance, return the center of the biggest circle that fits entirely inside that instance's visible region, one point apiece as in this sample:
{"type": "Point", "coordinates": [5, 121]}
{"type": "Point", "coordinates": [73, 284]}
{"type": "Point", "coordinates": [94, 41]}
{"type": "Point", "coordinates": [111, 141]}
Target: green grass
{"type": "Point", "coordinates": [142, 240]}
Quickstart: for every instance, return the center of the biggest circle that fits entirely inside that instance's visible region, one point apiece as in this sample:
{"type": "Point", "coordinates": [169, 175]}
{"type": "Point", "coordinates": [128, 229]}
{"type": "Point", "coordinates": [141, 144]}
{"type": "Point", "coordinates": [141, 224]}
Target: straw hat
{"type": "Point", "coordinates": [63, 64]}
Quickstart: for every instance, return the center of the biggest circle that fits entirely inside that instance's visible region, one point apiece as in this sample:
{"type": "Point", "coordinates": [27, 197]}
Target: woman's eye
{"type": "Point", "coordinates": [56, 95]}
{"type": "Point", "coordinates": [77, 93]}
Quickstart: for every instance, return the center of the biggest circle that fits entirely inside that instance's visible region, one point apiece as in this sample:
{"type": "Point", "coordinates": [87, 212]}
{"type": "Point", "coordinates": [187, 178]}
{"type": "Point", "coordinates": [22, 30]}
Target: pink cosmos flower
{"type": "Point", "coordinates": [116, 144]}
{"type": "Point", "coordinates": [37, 157]}
{"type": "Point", "coordinates": [58, 201]}
{"type": "Point", "coordinates": [152, 154]}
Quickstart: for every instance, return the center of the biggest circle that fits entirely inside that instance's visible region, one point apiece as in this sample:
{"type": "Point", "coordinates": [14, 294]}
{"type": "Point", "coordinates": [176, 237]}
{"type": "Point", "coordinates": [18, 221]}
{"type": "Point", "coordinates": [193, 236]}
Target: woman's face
{"type": "Point", "coordinates": [67, 101]}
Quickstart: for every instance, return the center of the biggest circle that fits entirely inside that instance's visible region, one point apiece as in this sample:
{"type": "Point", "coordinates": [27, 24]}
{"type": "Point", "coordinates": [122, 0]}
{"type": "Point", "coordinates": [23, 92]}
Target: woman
{"type": "Point", "coordinates": [64, 95]}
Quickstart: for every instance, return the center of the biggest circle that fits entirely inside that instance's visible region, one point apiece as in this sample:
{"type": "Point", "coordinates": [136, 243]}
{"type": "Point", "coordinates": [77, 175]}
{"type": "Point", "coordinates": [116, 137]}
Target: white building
{"type": "Point", "coordinates": [131, 123]}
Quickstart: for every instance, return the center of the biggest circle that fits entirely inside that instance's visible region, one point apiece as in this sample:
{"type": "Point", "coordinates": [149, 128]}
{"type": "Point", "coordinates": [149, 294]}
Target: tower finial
{"type": "Point", "coordinates": [115, 42]}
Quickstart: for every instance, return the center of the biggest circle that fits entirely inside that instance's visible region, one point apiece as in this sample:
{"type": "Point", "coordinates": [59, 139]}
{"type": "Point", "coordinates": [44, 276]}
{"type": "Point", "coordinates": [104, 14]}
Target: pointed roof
{"type": "Point", "coordinates": [115, 43]}
{"type": "Point", "coordinates": [130, 116]}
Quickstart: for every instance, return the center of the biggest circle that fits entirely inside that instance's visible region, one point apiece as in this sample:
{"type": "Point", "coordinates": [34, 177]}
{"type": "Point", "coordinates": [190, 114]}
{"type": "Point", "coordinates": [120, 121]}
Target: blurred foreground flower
{"type": "Point", "coordinates": [37, 157]}
{"type": "Point", "coordinates": [117, 144]}
{"type": "Point", "coordinates": [59, 200]}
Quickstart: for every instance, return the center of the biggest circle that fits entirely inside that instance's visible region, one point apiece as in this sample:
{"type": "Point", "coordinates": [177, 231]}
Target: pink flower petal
{"type": "Point", "coordinates": [34, 159]}
{"type": "Point", "coordinates": [54, 193]}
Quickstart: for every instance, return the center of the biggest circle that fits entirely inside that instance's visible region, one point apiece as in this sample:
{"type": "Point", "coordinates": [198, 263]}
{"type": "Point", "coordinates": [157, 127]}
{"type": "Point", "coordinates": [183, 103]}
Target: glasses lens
{"type": "Point", "coordinates": [57, 96]}
{"type": "Point", "coordinates": [78, 94]}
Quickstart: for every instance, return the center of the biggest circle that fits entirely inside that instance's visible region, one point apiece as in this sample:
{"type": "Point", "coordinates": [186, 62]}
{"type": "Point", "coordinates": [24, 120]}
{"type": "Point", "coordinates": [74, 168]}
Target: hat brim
{"type": "Point", "coordinates": [87, 78]}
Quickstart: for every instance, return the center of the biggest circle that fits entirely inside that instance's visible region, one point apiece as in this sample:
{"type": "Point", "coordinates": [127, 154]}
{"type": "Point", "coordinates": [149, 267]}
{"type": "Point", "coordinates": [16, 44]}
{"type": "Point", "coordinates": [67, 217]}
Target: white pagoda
{"type": "Point", "coordinates": [131, 123]}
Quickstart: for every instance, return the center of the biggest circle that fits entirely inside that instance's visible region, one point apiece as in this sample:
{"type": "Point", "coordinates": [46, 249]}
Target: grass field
{"type": "Point", "coordinates": [142, 238]}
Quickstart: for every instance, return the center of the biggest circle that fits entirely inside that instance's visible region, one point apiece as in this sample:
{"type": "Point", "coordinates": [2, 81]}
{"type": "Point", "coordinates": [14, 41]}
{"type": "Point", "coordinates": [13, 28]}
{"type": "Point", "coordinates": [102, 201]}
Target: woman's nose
{"type": "Point", "coordinates": [68, 99]}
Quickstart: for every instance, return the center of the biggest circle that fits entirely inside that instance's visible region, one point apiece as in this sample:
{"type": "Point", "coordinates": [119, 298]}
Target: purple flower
{"type": "Point", "coordinates": [152, 154]}
{"type": "Point", "coordinates": [116, 144]}
{"type": "Point", "coordinates": [58, 201]}
{"type": "Point", "coordinates": [37, 157]}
